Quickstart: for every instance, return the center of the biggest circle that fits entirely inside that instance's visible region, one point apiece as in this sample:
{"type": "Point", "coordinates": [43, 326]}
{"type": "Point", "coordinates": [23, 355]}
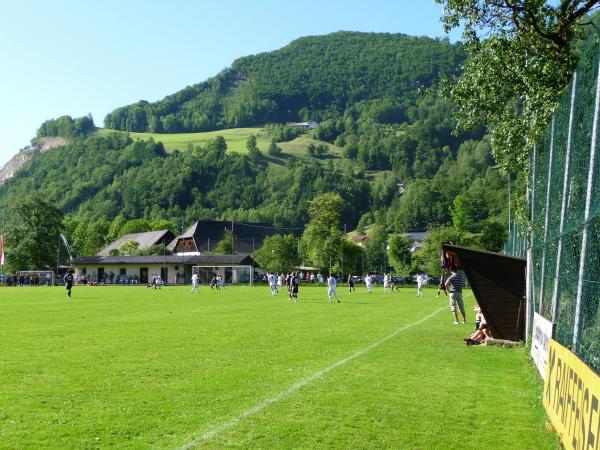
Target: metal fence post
{"type": "Point", "coordinates": [547, 213]}
{"type": "Point", "coordinates": [531, 291]}
{"type": "Point", "coordinates": [588, 205]}
{"type": "Point", "coordinates": [565, 199]}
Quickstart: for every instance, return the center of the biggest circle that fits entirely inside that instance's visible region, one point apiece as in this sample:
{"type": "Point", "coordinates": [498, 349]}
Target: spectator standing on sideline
{"type": "Point", "coordinates": [351, 283]}
{"type": "Point", "coordinates": [454, 285]}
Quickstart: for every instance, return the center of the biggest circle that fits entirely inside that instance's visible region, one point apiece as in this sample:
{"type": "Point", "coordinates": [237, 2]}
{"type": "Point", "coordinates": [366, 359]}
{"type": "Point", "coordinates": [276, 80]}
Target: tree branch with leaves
{"type": "Point", "coordinates": [522, 54]}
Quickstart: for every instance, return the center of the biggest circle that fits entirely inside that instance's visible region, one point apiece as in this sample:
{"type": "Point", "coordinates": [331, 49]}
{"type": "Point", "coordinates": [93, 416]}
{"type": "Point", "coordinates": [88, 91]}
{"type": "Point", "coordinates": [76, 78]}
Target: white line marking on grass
{"type": "Point", "coordinates": [262, 405]}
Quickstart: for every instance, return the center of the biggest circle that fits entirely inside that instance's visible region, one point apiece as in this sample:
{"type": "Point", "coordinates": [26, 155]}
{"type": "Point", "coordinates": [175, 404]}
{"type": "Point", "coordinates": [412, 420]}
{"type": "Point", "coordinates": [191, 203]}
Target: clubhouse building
{"type": "Point", "coordinates": [181, 255]}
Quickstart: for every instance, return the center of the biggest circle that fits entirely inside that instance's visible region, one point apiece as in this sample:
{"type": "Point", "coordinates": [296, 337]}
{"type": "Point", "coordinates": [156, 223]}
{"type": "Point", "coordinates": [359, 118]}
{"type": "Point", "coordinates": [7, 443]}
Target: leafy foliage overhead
{"type": "Point", "coordinates": [522, 54]}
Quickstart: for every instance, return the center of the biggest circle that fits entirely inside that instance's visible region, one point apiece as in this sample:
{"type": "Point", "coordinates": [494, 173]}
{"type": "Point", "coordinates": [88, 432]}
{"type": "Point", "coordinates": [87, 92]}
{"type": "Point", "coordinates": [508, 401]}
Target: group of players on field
{"type": "Point", "coordinates": [292, 282]}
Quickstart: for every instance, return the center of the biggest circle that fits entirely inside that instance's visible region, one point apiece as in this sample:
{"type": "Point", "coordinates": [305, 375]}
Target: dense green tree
{"type": "Point", "coordinates": [218, 146]}
{"type": "Point", "coordinates": [67, 127]}
{"type": "Point", "coordinates": [226, 246]}
{"type": "Point", "coordinates": [135, 226]}
{"type": "Point", "coordinates": [278, 253]}
{"type": "Point", "coordinates": [353, 258]}
{"type": "Point", "coordinates": [153, 250]}
{"type": "Point", "coordinates": [376, 249]}
{"type": "Point", "coordinates": [460, 214]}
{"type": "Point", "coordinates": [129, 248]}
{"type": "Point", "coordinates": [493, 236]}
{"type": "Point", "coordinates": [283, 133]}
{"type": "Point", "coordinates": [428, 256]}
{"type": "Point", "coordinates": [399, 253]}
{"type": "Point", "coordinates": [252, 147]}
{"type": "Point", "coordinates": [96, 233]}
{"type": "Point", "coordinates": [274, 149]}
{"type": "Point", "coordinates": [32, 237]}
{"type": "Point", "coordinates": [321, 150]}
{"type": "Point", "coordinates": [322, 237]}
{"type": "Point", "coordinates": [114, 230]}
{"type": "Point", "coordinates": [521, 55]}
{"type": "Point", "coordinates": [163, 224]}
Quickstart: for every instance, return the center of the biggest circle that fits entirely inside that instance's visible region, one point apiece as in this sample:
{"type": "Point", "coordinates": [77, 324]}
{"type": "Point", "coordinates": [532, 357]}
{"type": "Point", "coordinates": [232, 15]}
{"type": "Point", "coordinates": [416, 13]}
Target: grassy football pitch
{"type": "Point", "coordinates": [130, 367]}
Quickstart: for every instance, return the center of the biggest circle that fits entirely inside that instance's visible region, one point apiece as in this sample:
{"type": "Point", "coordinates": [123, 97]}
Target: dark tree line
{"type": "Point", "coordinates": [67, 127]}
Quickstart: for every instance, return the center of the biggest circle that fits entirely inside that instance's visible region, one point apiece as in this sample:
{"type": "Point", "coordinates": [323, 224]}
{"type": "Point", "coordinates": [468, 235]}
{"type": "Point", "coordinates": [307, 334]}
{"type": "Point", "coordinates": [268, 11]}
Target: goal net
{"type": "Point", "coordinates": [226, 274]}
{"type": "Point", "coordinates": [36, 278]}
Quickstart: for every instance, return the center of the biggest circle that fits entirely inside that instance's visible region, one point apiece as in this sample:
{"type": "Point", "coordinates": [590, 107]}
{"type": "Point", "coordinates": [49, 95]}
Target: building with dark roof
{"type": "Point", "coordinates": [203, 236]}
{"type": "Point", "coordinates": [144, 240]}
{"type": "Point", "coordinates": [173, 269]}
{"type": "Point", "coordinates": [183, 254]}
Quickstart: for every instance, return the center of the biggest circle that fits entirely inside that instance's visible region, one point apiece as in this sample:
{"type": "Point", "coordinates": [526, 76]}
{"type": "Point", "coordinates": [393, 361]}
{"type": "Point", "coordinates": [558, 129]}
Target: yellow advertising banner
{"type": "Point", "coordinates": [571, 398]}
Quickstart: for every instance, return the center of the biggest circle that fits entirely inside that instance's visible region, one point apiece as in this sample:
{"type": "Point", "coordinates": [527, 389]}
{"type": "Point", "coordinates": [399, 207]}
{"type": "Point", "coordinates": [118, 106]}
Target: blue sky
{"type": "Point", "coordinates": [74, 57]}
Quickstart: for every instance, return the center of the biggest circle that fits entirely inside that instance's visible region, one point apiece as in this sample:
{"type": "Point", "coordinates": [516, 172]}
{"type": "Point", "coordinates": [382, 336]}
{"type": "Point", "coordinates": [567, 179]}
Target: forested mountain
{"type": "Point", "coordinates": [362, 88]}
{"type": "Point", "coordinates": [313, 78]}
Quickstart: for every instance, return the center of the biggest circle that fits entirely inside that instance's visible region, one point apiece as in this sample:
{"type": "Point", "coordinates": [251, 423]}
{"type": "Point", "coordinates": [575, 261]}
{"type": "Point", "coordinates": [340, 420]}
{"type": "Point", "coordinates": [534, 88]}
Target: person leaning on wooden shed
{"type": "Point", "coordinates": [454, 285]}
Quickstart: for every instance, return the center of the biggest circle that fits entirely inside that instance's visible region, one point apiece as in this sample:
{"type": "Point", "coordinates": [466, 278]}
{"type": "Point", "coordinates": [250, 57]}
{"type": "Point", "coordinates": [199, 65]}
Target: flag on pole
{"type": "Point", "coordinates": [1, 249]}
{"type": "Point", "coordinates": [67, 246]}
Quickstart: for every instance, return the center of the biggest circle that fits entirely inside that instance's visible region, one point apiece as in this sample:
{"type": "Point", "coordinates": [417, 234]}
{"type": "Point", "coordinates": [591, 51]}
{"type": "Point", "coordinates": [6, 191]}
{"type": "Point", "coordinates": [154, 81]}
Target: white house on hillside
{"type": "Point", "coordinates": [308, 125]}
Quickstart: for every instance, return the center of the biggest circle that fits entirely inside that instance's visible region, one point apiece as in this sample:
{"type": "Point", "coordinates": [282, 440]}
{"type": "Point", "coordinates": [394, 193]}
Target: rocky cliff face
{"type": "Point", "coordinates": [26, 154]}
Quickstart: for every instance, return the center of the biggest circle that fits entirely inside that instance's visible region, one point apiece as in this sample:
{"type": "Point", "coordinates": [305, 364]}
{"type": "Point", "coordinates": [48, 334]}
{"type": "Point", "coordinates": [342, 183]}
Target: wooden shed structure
{"type": "Point", "coordinates": [498, 283]}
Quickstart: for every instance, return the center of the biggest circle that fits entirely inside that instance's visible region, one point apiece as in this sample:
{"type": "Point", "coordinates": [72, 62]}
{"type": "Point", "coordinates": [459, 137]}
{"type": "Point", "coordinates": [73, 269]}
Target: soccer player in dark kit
{"type": "Point", "coordinates": [69, 278]}
{"type": "Point", "coordinates": [295, 283]}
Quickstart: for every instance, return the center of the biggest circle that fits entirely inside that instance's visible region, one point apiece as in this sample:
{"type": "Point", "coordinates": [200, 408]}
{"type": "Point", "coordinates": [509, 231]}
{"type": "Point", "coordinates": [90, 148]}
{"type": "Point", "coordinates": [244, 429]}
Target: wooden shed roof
{"type": "Point", "coordinates": [498, 283]}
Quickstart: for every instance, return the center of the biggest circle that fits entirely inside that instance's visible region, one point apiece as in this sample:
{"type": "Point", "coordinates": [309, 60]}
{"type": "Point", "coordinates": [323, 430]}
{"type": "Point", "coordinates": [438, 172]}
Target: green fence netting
{"type": "Point", "coordinates": [564, 213]}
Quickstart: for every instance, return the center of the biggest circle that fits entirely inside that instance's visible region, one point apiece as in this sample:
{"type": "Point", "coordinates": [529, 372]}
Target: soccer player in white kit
{"type": "Point", "coordinates": [421, 280]}
{"type": "Point", "coordinates": [194, 283]}
{"type": "Point", "coordinates": [273, 283]}
{"type": "Point", "coordinates": [386, 283]}
{"type": "Point", "coordinates": [369, 283]}
{"type": "Point", "coordinates": [331, 287]}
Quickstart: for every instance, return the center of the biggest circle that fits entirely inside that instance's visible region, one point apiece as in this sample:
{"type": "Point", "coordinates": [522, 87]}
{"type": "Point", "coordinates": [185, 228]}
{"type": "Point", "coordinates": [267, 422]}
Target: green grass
{"type": "Point", "coordinates": [128, 367]}
{"type": "Point", "coordinates": [236, 142]}
{"type": "Point", "coordinates": [235, 138]}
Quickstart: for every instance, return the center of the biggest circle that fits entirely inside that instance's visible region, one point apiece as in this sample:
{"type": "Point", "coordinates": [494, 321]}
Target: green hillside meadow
{"type": "Point", "coordinates": [236, 141]}
{"type": "Point", "coordinates": [130, 367]}
{"type": "Point", "coordinates": [235, 138]}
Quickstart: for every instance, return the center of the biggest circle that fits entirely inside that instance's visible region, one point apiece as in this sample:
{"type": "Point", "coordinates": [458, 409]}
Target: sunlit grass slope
{"type": "Point", "coordinates": [235, 137]}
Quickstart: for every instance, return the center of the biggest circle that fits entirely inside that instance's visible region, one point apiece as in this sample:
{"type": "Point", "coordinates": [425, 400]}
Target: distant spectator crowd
{"type": "Point", "coordinates": [29, 280]}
